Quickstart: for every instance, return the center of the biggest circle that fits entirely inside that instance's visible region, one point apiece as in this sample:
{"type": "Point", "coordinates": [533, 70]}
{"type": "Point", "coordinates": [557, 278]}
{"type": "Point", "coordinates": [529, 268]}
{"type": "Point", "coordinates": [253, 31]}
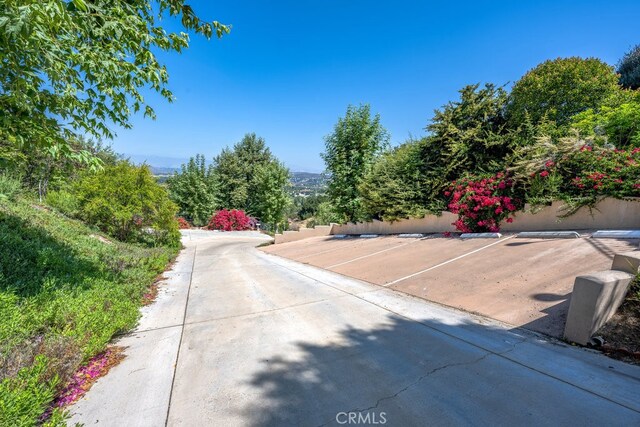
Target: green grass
{"type": "Point", "coordinates": [64, 294]}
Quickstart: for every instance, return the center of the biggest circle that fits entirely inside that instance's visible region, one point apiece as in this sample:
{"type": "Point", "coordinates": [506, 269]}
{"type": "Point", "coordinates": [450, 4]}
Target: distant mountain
{"type": "Point", "coordinates": [163, 170]}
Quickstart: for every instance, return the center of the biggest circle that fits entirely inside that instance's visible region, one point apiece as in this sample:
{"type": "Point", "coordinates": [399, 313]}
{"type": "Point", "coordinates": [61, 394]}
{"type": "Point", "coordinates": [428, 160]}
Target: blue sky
{"type": "Point", "coordinates": [289, 69]}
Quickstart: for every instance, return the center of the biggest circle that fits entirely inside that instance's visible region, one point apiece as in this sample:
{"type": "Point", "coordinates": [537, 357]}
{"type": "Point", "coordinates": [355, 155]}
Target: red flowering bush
{"type": "Point", "coordinates": [482, 203]}
{"type": "Point", "coordinates": [183, 223]}
{"type": "Point", "coordinates": [594, 172]}
{"type": "Point", "coordinates": [230, 220]}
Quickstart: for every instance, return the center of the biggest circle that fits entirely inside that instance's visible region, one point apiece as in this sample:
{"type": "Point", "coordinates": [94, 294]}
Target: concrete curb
{"type": "Point", "coordinates": [480, 235]}
{"type": "Point", "coordinates": [548, 235]}
{"type": "Point", "coordinates": [616, 234]}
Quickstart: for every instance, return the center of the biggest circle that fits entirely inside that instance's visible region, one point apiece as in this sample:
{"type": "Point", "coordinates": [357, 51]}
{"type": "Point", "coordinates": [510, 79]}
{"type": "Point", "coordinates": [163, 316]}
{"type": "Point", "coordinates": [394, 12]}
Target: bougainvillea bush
{"type": "Point", "coordinates": [230, 220]}
{"type": "Point", "coordinates": [183, 224]}
{"type": "Point", "coordinates": [482, 203]}
{"type": "Point", "coordinates": [595, 172]}
{"type": "Point", "coordinates": [581, 172]}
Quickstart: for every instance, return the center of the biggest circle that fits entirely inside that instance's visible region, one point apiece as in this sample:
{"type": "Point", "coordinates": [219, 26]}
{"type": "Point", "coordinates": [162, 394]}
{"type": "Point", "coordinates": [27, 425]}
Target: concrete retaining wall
{"type": "Point", "coordinates": [304, 233]}
{"type": "Point", "coordinates": [612, 214]}
{"type": "Point", "coordinates": [608, 214]}
{"type": "Point", "coordinates": [428, 224]}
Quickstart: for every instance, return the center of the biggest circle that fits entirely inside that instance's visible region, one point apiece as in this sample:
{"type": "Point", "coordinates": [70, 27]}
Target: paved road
{"type": "Point", "coordinates": [243, 338]}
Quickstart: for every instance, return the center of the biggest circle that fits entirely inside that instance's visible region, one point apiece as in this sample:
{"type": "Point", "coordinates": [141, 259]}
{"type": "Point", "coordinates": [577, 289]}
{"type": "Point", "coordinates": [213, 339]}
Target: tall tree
{"type": "Point", "coordinates": [629, 69]}
{"type": "Point", "coordinates": [350, 151]}
{"type": "Point", "coordinates": [235, 170]}
{"type": "Point", "coordinates": [74, 67]}
{"type": "Point", "coordinates": [271, 198]}
{"type": "Point", "coordinates": [194, 190]}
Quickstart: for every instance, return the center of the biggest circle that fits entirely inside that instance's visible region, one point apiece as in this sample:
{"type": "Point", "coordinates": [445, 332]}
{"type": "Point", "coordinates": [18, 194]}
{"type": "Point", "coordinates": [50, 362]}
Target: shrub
{"type": "Point", "coordinates": [482, 203]}
{"type": "Point", "coordinates": [10, 187]}
{"type": "Point", "coordinates": [595, 172]}
{"type": "Point", "coordinates": [619, 125]}
{"type": "Point", "coordinates": [183, 224]}
{"type": "Point", "coordinates": [578, 171]}
{"type": "Point", "coordinates": [229, 220]}
{"type": "Point", "coordinates": [396, 187]}
{"type": "Point", "coordinates": [126, 201]}
{"type": "Point", "coordinates": [327, 214]}
{"type": "Point", "coordinates": [64, 201]}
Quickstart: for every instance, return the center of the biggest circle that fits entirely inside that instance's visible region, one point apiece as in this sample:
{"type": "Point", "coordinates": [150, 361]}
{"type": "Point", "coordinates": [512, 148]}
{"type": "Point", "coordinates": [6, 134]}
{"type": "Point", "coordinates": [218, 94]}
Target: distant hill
{"type": "Point", "coordinates": [308, 183]}
{"type": "Point", "coordinates": [302, 183]}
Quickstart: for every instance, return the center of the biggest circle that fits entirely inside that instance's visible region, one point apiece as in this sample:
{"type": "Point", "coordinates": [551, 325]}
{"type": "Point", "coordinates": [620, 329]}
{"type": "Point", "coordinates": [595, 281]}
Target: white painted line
{"type": "Point", "coordinates": [327, 250]}
{"type": "Point", "coordinates": [339, 236]}
{"type": "Point", "coordinates": [617, 234]}
{"type": "Point", "coordinates": [548, 235]}
{"type": "Point", "coordinates": [447, 262]}
{"type": "Point", "coordinates": [368, 236]}
{"type": "Point", "coordinates": [372, 254]}
{"type": "Point", "coordinates": [412, 235]}
{"type": "Point", "coordinates": [480, 235]}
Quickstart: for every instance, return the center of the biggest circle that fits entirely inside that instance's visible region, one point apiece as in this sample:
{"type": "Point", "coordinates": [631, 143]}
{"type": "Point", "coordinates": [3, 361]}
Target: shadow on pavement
{"type": "Point", "coordinates": [412, 375]}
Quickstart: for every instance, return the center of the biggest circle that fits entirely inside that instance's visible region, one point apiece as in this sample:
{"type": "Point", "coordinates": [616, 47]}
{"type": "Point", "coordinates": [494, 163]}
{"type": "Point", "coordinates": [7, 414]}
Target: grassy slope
{"type": "Point", "coordinates": [63, 295]}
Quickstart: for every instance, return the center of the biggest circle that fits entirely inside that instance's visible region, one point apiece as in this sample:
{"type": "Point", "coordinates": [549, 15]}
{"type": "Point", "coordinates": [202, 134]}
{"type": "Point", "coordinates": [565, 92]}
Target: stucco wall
{"type": "Point", "coordinates": [610, 214]}
{"type": "Point", "coordinates": [428, 224]}
{"type": "Point", "coordinates": [304, 233]}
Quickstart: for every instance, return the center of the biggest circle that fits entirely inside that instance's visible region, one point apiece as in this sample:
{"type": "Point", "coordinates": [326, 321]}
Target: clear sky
{"type": "Point", "coordinates": [289, 69]}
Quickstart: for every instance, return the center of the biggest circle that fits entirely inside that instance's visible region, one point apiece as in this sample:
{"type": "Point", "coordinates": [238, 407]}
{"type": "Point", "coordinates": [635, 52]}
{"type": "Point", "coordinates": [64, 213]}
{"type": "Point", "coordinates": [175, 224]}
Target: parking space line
{"type": "Point", "coordinates": [375, 253]}
{"type": "Point", "coordinates": [349, 244]}
{"type": "Point", "coordinates": [447, 262]}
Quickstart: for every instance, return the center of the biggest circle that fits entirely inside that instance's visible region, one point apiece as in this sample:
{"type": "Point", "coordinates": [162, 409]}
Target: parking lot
{"type": "Point", "coordinates": [522, 282]}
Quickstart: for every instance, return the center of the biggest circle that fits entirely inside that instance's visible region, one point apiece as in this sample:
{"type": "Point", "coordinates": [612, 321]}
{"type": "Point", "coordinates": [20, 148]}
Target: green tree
{"type": "Point", "coordinates": [123, 200]}
{"type": "Point", "coordinates": [394, 187]}
{"type": "Point", "coordinates": [271, 198]}
{"type": "Point", "coordinates": [560, 88]}
{"type": "Point", "coordinates": [235, 169]}
{"type": "Point", "coordinates": [469, 134]}
{"type": "Point", "coordinates": [194, 190]}
{"type": "Point", "coordinates": [629, 69]}
{"type": "Point", "coordinates": [350, 151]}
{"type": "Point", "coordinates": [79, 66]}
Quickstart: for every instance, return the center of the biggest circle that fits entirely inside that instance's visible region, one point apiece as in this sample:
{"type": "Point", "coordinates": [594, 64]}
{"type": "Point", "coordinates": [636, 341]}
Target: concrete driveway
{"type": "Point", "coordinates": [243, 338]}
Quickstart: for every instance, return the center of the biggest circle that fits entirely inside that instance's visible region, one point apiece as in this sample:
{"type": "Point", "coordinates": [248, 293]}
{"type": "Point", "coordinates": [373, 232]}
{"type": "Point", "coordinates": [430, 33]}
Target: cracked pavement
{"type": "Point", "coordinates": [238, 337]}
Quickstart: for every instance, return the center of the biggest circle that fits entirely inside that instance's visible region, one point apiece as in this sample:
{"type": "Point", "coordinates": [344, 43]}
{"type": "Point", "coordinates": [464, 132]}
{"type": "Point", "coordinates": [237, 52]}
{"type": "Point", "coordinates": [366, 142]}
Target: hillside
{"type": "Point", "coordinates": [308, 183]}
{"type": "Point", "coordinates": [65, 291]}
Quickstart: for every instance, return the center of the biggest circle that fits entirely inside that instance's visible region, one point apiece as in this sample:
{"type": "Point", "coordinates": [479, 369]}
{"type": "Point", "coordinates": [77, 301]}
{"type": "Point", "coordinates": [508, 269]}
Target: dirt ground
{"type": "Point", "coordinates": [622, 333]}
{"type": "Point", "coordinates": [523, 282]}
